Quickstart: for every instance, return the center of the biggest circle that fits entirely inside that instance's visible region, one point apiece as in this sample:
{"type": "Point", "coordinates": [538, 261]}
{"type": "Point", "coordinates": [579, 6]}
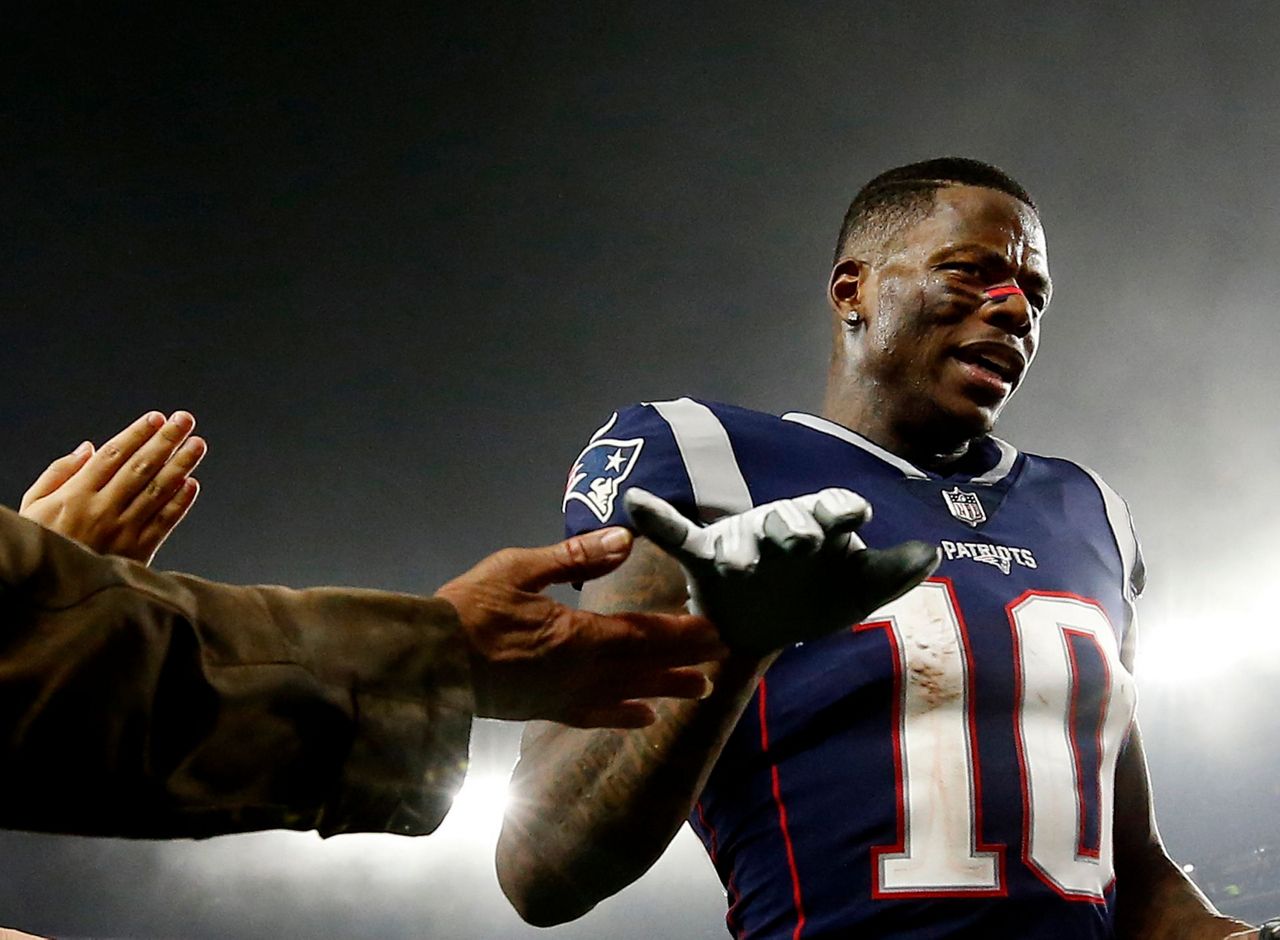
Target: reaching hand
{"type": "Point", "coordinates": [784, 572]}
{"type": "Point", "coordinates": [127, 497]}
{"type": "Point", "coordinates": [532, 657]}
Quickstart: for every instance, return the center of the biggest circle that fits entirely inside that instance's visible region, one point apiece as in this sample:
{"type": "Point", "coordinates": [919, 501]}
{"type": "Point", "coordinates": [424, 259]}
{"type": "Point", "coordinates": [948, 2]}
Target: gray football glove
{"type": "Point", "coordinates": [784, 572]}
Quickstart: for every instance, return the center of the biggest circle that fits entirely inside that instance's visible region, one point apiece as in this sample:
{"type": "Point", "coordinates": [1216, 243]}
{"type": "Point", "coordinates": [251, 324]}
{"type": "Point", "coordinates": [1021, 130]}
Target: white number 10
{"type": "Point", "coordinates": [1066, 774]}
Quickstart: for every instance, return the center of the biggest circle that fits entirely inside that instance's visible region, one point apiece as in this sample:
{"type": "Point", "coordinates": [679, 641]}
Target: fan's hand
{"type": "Point", "coordinates": [126, 497]}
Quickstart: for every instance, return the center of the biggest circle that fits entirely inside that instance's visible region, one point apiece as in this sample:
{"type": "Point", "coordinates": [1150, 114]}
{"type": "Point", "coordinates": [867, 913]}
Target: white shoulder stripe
{"type": "Point", "coordinates": [718, 485]}
{"type": "Point", "coordinates": [1121, 527]}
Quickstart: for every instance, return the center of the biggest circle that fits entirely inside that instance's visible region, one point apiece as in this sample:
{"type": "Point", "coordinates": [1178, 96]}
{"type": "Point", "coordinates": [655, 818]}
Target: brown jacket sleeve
{"type": "Point", "coordinates": [144, 704]}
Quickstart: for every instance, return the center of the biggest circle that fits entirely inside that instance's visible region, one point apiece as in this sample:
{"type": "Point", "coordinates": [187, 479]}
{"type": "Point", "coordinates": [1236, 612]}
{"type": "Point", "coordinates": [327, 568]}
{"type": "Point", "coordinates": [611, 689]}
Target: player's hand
{"type": "Point", "coordinates": [125, 498]}
{"type": "Point", "coordinates": [532, 657]}
{"type": "Point", "coordinates": [784, 572]}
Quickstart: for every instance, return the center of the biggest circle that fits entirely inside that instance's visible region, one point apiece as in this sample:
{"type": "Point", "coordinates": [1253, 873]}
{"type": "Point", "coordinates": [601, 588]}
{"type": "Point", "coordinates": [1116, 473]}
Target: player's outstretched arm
{"type": "Point", "coordinates": [591, 811]}
{"type": "Point", "coordinates": [590, 814]}
{"type": "Point", "coordinates": [125, 498]}
{"type": "Point", "coordinates": [1154, 898]}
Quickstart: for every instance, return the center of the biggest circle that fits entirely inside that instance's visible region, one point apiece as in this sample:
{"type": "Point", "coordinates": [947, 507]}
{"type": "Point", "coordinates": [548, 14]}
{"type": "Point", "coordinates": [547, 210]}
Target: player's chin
{"type": "Point", "coordinates": [974, 417]}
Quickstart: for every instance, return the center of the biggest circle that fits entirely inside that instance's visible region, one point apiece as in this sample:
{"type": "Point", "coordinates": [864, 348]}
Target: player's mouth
{"type": "Point", "coordinates": [992, 365]}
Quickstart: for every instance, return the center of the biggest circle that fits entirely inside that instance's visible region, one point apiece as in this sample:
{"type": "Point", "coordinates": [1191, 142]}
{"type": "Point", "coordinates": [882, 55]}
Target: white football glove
{"type": "Point", "coordinates": [784, 572]}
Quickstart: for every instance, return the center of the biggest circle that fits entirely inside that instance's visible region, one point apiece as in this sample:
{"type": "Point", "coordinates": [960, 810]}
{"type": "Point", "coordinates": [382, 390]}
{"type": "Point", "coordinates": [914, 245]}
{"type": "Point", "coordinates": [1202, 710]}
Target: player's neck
{"type": "Point", "coordinates": [924, 444]}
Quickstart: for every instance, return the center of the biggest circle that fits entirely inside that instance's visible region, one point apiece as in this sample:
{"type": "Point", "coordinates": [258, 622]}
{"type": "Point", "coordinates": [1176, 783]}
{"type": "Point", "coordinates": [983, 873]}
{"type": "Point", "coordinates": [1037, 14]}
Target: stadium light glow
{"type": "Point", "coordinates": [293, 864]}
{"type": "Point", "coordinates": [477, 809]}
{"type": "Point", "coordinates": [1225, 625]}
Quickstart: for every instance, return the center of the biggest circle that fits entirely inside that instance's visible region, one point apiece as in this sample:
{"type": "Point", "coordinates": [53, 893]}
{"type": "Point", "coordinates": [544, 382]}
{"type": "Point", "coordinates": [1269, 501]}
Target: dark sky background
{"type": "Point", "coordinates": [401, 262]}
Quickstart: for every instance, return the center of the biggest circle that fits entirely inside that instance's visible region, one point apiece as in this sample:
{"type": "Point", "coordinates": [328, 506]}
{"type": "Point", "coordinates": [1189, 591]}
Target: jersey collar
{"type": "Point", "coordinates": [1000, 455]}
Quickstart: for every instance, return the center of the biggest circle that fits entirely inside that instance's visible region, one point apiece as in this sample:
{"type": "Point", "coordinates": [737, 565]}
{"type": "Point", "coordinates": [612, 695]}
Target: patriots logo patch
{"type": "Point", "coordinates": [598, 473]}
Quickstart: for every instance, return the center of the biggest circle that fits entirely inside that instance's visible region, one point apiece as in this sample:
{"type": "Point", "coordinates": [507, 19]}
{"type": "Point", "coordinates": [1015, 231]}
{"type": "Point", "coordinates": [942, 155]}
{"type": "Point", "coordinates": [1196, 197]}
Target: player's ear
{"type": "Point", "coordinates": [844, 290]}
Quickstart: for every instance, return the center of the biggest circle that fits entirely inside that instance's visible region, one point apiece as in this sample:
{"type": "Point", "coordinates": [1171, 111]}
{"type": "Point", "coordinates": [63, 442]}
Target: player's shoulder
{"type": "Point", "coordinates": [680, 449]}
{"type": "Point", "coordinates": [683, 424]}
{"type": "Point", "coordinates": [1114, 508]}
{"type": "Point", "coordinates": [690, 417]}
{"type": "Point", "coordinates": [1066, 470]}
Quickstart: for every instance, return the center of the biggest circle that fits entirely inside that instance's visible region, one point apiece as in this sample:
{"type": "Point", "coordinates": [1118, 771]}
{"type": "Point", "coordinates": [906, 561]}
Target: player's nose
{"type": "Point", "coordinates": [1006, 307]}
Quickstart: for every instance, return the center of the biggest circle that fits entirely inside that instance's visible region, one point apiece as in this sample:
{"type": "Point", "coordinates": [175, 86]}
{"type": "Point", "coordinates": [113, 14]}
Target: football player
{"type": "Point", "coordinates": [962, 762]}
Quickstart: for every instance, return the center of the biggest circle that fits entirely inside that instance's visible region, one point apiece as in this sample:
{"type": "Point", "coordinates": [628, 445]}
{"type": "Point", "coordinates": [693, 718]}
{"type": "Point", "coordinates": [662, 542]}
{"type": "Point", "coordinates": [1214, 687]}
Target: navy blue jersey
{"type": "Point", "coordinates": [945, 768]}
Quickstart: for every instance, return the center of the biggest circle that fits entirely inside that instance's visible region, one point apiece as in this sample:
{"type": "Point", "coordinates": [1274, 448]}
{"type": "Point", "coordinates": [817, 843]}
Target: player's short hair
{"type": "Point", "coordinates": [899, 198]}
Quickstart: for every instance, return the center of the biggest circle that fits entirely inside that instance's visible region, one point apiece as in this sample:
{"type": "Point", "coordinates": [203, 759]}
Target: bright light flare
{"type": "Point", "coordinates": [1224, 628]}
{"type": "Point", "coordinates": [477, 809]}
{"type": "Point", "coordinates": [464, 843]}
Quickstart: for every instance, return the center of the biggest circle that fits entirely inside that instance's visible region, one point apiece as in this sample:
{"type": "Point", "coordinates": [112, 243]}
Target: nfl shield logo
{"type": "Point", "coordinates": [965, 506]}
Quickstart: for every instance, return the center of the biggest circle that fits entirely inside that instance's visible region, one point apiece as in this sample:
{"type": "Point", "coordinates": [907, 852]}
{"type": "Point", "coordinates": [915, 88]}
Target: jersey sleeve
{"type": "Point", "coordinates": [635, 447]}
{"type": "Point", "coordinates": [1133, 569]}
{"type": "Point", "coordinates": [1135, 581]}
